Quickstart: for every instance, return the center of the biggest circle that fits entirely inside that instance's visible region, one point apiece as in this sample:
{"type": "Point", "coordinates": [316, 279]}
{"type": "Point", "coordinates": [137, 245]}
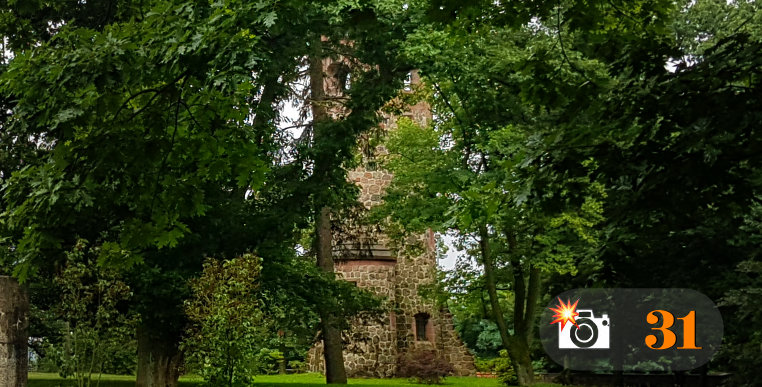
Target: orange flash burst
{"type": "Point", "coordinates": [565, 312]}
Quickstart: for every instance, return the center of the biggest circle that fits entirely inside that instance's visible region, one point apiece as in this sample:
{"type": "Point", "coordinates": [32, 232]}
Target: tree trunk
{"type": "Point", "coordinates": [158, 360]}
{"type": "Point", "coordinates": [524, 310]}
{"type": "Point", "coordinates": [521, 361]}
{"type": "Point", "coordinates": [282, 363]}
{"type": "Point", "coordinates": [490, 282]}
{"type": "Point", "coordinates": [333, 351]}
{"type": "Point", "coordinates": [14, 320]}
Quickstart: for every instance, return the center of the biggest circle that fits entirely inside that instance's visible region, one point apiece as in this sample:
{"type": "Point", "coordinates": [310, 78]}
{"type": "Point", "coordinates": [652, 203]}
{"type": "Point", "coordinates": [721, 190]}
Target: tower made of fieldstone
{"type": "Point", "coordinates": [412, 322]}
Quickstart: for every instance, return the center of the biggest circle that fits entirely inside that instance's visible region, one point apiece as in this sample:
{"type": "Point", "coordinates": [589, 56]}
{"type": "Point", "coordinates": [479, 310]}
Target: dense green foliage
{"type": "Point", "coordinates": [574, 143]}
{"type": "Point", "coordinates": [611, 143]}
{"type": "Point", "coordinates": [92, 323]}
{"type": "Point", "coordinates": [150, 128]}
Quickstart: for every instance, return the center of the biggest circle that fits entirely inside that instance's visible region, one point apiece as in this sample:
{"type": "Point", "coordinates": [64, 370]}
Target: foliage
{"type": "Point", "coordinates": [475, 187]}
{"type": "Point", "coordinates": [92, 318]}
{"type": "Point", "coordinates": [120, 360]}
{"type": "Point", "coordinates": [467, 300]}
{"type": "Point", "coordinates": [269, 361]}
{"type": "Point", "coordinates": [192, 132]}
{"type": "Point", "coordinates": [742, 342]}
{"type": "Point", "coordinates": [425, 366]}
{"type": "Point", "coordinates": [614, 139]}
{"type": "Point", "coordinates": [589, 143]}
{"type": "Point", "coordinates": [504, 369]}
{"type": "Point", "coordinates": [157, 132]}
{"type": "Point", "coordinates": [224, 340]}
{"type": "Point", "coordinates": [500, 365]}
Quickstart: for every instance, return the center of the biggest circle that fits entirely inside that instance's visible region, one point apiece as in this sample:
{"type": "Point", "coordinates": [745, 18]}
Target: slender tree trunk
{"type": "Point", "coordinates": [489, 276]}
{"type": "Point", "coordinates": [158, 360]}
{"type": "Point", "coordinates": [525, 300]}
{"type": "Point", "coordinates": [282, 364]}
{"type": "Point", "coordinates": [333, 351]}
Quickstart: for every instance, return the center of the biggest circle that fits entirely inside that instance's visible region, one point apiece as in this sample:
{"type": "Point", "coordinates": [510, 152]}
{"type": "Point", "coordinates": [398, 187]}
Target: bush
{"type": "Point", "coordinates": [504, 369]}
{"type": "Point", "coordinates": [500, 365]}
{"type": "Point", "coordinates": [268, 361]}
{"type": "Point", "coordinates": [486, 364]}
{"type": "Point", "coordinates": [224, 341]}
{"type": "Point", "coordinates": [96, 336]}
{"type": "Point", "coordinates": [740, 352]}
{"type": "Point", "coordinates": [424, 366]}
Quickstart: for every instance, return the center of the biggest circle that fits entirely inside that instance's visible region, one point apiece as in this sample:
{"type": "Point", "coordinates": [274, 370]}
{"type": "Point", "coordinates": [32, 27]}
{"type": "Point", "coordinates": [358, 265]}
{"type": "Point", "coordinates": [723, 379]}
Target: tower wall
{"type": "Point", "coordinates": [373, 347]}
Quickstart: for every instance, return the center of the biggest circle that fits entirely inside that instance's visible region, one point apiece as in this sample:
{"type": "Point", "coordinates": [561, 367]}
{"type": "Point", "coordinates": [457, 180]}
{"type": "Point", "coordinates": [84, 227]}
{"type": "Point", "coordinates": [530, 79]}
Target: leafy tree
{"type": "Point", "coordinates": [518, 94]}
{"type": "Point", "coordinates": [655, 103]}
{"type": "Point", "coordinates": [685, 170]}
{"type": "Point", "coordinates": [146, 133]}
{"type": "Point", "coordinates": [159, 136]}
{"type": "Point", "coordinates": [486, 205]}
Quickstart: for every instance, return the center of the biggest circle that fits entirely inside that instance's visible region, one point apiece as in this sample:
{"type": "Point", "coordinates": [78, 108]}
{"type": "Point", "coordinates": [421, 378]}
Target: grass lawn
{"type": "Point", "coordinates": [301, 380]}
{"type": "Point", "coordinates": [39, 379]}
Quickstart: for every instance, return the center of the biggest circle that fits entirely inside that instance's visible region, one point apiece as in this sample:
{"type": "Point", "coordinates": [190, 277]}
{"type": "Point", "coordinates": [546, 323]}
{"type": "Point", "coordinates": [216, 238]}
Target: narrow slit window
{"type": "Point", "coordinates": [421, 326]}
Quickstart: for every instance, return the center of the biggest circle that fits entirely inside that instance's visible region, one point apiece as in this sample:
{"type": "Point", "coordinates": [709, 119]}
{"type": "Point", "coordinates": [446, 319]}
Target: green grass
{"type": "Point", "coordinates": [300, 380]}
{"type": "Point", "coordinates": [304, 380]}
{"type": "Point", "coordinates": [38, 379]}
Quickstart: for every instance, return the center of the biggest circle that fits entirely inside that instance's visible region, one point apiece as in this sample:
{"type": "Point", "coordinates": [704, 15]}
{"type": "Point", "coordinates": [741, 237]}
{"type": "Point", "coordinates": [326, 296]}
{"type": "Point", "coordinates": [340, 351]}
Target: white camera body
{"type": "Point", "coordinates": [589, 333]}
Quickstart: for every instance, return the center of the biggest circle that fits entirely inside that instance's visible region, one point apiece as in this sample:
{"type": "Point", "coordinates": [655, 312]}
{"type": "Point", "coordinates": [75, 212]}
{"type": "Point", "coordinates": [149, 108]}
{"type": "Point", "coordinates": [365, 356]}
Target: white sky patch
{"type": "Point", "coordinates": [458, 247]}
{"type": "Point", "coordinates": [451, 257]}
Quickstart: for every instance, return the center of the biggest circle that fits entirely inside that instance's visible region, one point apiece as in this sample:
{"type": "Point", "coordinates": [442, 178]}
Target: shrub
{"type": "Point", "coordinates": [225, 338]}
{"type": "Point", "coordinates": [500, 365]}
{"type": "Point", "coordinates": [424, 366]}
{"type": "Point", "coordinates": [268, 361]}
{"type": "Point", "coordinates": [96, 336]}
{"type": "Point", "coordinates": [504, 369]}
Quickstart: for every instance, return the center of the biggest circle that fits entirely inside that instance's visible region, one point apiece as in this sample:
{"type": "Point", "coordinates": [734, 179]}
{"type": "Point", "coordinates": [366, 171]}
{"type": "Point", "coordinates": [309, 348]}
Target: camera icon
{"type": "Point", "coordinates": [589, 333]}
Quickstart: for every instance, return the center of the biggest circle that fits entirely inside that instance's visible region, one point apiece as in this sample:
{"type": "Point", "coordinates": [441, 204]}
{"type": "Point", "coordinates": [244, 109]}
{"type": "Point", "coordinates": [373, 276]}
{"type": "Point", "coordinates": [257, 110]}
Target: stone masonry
{"type": "Point", "coordinates": [412, 322]}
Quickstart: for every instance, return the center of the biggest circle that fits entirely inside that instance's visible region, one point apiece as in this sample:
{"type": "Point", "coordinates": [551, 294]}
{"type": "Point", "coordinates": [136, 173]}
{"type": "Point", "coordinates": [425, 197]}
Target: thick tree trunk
{"type": "Point", "coordinates": [14, 320]}
{"type": "Point", "coordinates": [158, 360]}
{"type": "Point", "coordinates": [521, 361]}
{"type": "Point", "coordinates": [333, 348]}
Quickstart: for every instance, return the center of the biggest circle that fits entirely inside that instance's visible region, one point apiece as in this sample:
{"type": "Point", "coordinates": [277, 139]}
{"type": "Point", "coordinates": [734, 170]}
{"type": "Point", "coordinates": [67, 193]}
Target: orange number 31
{"type": "Point", "coordinates": [689, 330]}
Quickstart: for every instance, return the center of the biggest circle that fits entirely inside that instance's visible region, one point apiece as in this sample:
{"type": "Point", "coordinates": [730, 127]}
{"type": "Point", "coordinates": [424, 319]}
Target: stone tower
{"type": "Point", "coordinates": [412, 322]}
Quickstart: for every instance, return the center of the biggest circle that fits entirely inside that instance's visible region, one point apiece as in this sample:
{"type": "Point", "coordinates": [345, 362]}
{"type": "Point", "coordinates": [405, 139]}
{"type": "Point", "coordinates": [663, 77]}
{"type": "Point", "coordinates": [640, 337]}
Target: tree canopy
{"type": "Point", "coordinates": [610, 143]}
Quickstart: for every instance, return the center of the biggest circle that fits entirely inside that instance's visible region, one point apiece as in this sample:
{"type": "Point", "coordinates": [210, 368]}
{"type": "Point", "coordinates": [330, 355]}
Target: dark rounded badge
{"type": "Point", "coordinates": [631, 329]}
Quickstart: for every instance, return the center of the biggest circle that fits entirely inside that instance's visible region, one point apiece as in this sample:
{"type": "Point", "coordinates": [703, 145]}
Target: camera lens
{"type": "Point", "coordinates": [584, 334]}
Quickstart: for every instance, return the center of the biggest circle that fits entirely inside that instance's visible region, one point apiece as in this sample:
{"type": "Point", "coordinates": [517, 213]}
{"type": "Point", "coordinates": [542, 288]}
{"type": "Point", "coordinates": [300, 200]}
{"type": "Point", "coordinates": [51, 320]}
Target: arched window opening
{"type": "Point", "coordinates": [342, 78]}
{"type": "Point", "coordinates": [421, 326]}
